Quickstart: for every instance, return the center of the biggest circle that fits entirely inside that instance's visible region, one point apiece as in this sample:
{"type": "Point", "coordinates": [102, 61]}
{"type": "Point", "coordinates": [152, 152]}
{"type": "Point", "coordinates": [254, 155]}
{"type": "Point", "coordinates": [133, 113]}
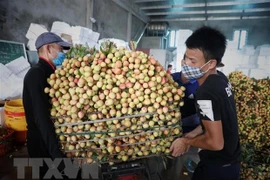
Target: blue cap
{"type": "Point", "coordinates": [48, 38]}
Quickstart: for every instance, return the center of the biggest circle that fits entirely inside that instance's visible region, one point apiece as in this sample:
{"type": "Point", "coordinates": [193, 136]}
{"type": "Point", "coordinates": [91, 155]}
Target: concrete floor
{"type": "Point", "coordinates": [174, 167]}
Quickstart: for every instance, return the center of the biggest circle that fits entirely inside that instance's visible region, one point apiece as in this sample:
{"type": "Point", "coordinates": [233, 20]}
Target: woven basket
{"type": "Point", "coordinates": [5, 141]}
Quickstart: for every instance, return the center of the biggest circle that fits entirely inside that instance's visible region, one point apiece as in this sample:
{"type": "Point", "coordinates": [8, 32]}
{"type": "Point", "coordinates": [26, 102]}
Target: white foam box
{"type": "Point", "coordinates": [10, 87]}
{"type": "Point", "coordinates": [263, 59]}
{"type": "Point", "coordinates": [233, 53]}
{"type": "Point", "coordinates": [180, 42]}
{"type": "Point", "coordinates": [59, 27]}
{"type": "Point", "coordinates": [245, 71]}
{"type": "Point", "coordinates": [4, 71]}
{"type": "Point", "coordinates": [264, 63]}
{"type": "Point", "coordinates": [78, 32]}
{"type": "Point", "coordinates": [244, 59]}
{"type": "Point", "coordinates": [264, 50]}
{"type": "Point", "coordinates": [66, 37]}
{"type": "Point", "coordinates": [248, 50]}
{"type": "Point", "coordinates": [248, 66]}
{"type": "Point", "coordinates": [91, 44]}
{"type": "Point", "coordinates": [265, 67]}
{"type": "Point", "coordinates": [2, 117]}
{"type": "Point", "coordinates": [253, 60]}
{"type": "Point", "coordinates": [231, 44]}
{"type": "Point", "coordinates": [76, 42]}
{"type": "Point", "coordinates": [31, 45]}
{"type": "Point", "coordinates": [181, 49]}
{"type": "Point", "coordinates": [258, 73]}
{"type": "Point", "coordinates": [117, 42]}
{"type": "Point", "coordinates": [248, 47]}
{"type": "Point", "coordinates": [86, 32]}
{"type": "Point", "coordinates": [23, 73]}
{"type": "Point", "coordinates": [89, 40]}
{"type": "Point", "coordinates": [35, 30]}
{"type": "Point", "coordinates": [81, 41]}
{"type": "Point", "coordinates": [183, 34]}
{"type": "Point", "coordinates": [94, 36]}
{"type": "Point", "coordinates": [18, 65]}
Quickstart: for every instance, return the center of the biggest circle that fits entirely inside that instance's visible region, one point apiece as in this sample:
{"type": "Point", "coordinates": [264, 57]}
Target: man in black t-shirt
{"type": "Point", "coordinates": [217, 135]}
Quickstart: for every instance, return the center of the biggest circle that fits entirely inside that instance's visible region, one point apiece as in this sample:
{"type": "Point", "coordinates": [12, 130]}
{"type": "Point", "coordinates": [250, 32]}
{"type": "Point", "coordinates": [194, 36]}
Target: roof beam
{"type": "Point", "coordinates": [210, 11]}
{"type": "Point", "coordinates": [145, 1]}
{"type": "Point", "coordinates": [255, 17]}
{"type": "Point", "coordinates": [228, 3]}
{"type": "Point", "coordinates": [231, 3]}
{"type": "Point", "coordinates": [210, 18]}
{"type": "Point", "coordinates": [174, 13]}
{"type": "Point", "coordinates": [180, 19]}
{"type": "Point", "coordinates": [134, 10]}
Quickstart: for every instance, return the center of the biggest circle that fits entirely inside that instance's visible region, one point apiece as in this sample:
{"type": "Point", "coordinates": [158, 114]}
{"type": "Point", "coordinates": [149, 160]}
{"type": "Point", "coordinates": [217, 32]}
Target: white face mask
{"type": "Point", "coordinates": [190, 72]}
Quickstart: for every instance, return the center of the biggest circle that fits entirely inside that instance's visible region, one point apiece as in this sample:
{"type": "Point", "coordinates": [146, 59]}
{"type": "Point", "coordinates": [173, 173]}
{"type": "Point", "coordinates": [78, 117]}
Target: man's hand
{"type": "Point", "coordinates": [179, 147]}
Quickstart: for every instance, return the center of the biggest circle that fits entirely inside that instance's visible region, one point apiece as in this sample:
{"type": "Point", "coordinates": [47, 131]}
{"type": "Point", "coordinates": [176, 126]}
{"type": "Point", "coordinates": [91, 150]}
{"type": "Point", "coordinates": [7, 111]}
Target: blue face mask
{"type": "Point", "coordinates": [59, 59]}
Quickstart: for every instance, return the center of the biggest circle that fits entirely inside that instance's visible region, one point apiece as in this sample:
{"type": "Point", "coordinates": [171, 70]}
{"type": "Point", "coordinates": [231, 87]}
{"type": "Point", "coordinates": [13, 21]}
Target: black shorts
{"type": "Point", "coordinates": [216, 172]}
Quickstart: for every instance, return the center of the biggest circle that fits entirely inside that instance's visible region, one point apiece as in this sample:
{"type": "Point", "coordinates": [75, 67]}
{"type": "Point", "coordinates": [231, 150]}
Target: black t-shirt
{"type": "Point", "coordinates": [222, 75]}
{"type": "Point", "coordinates": [215, 101]}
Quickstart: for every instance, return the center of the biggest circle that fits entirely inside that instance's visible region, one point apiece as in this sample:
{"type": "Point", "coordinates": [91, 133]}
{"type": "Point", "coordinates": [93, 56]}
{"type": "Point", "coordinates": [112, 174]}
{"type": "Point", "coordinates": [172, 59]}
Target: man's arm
{"type": "Point", "coordinates": [41, 113]}
{"type": "Point", "coordinates": [197, 131]}
{"type": "Point", "coordinates": [211, 139]}
{"type": "Point", "coordinates": [210, 114]}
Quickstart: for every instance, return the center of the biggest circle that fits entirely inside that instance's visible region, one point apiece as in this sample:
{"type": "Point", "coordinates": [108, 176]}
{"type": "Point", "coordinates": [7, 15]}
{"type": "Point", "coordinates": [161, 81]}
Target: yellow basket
{"type": "Point", "coordinates": [14, 115]}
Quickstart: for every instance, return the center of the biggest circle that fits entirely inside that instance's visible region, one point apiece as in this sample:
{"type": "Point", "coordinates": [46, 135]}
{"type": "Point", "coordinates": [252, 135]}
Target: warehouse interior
{"type": "Point", "coordinates": [150, 23]}
{"type": "Point", "coordinates": [177, 14]}
{"type": "Point", "coordinates": [159, 27]}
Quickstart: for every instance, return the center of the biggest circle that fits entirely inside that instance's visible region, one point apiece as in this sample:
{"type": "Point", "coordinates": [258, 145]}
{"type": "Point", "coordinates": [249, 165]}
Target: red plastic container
{"type": "Point", "coordinates": [129, 177]}
{"type": "Point", "coordinates": [6, 141]}
{"type": "Point", "coordinates": [20, 137]}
